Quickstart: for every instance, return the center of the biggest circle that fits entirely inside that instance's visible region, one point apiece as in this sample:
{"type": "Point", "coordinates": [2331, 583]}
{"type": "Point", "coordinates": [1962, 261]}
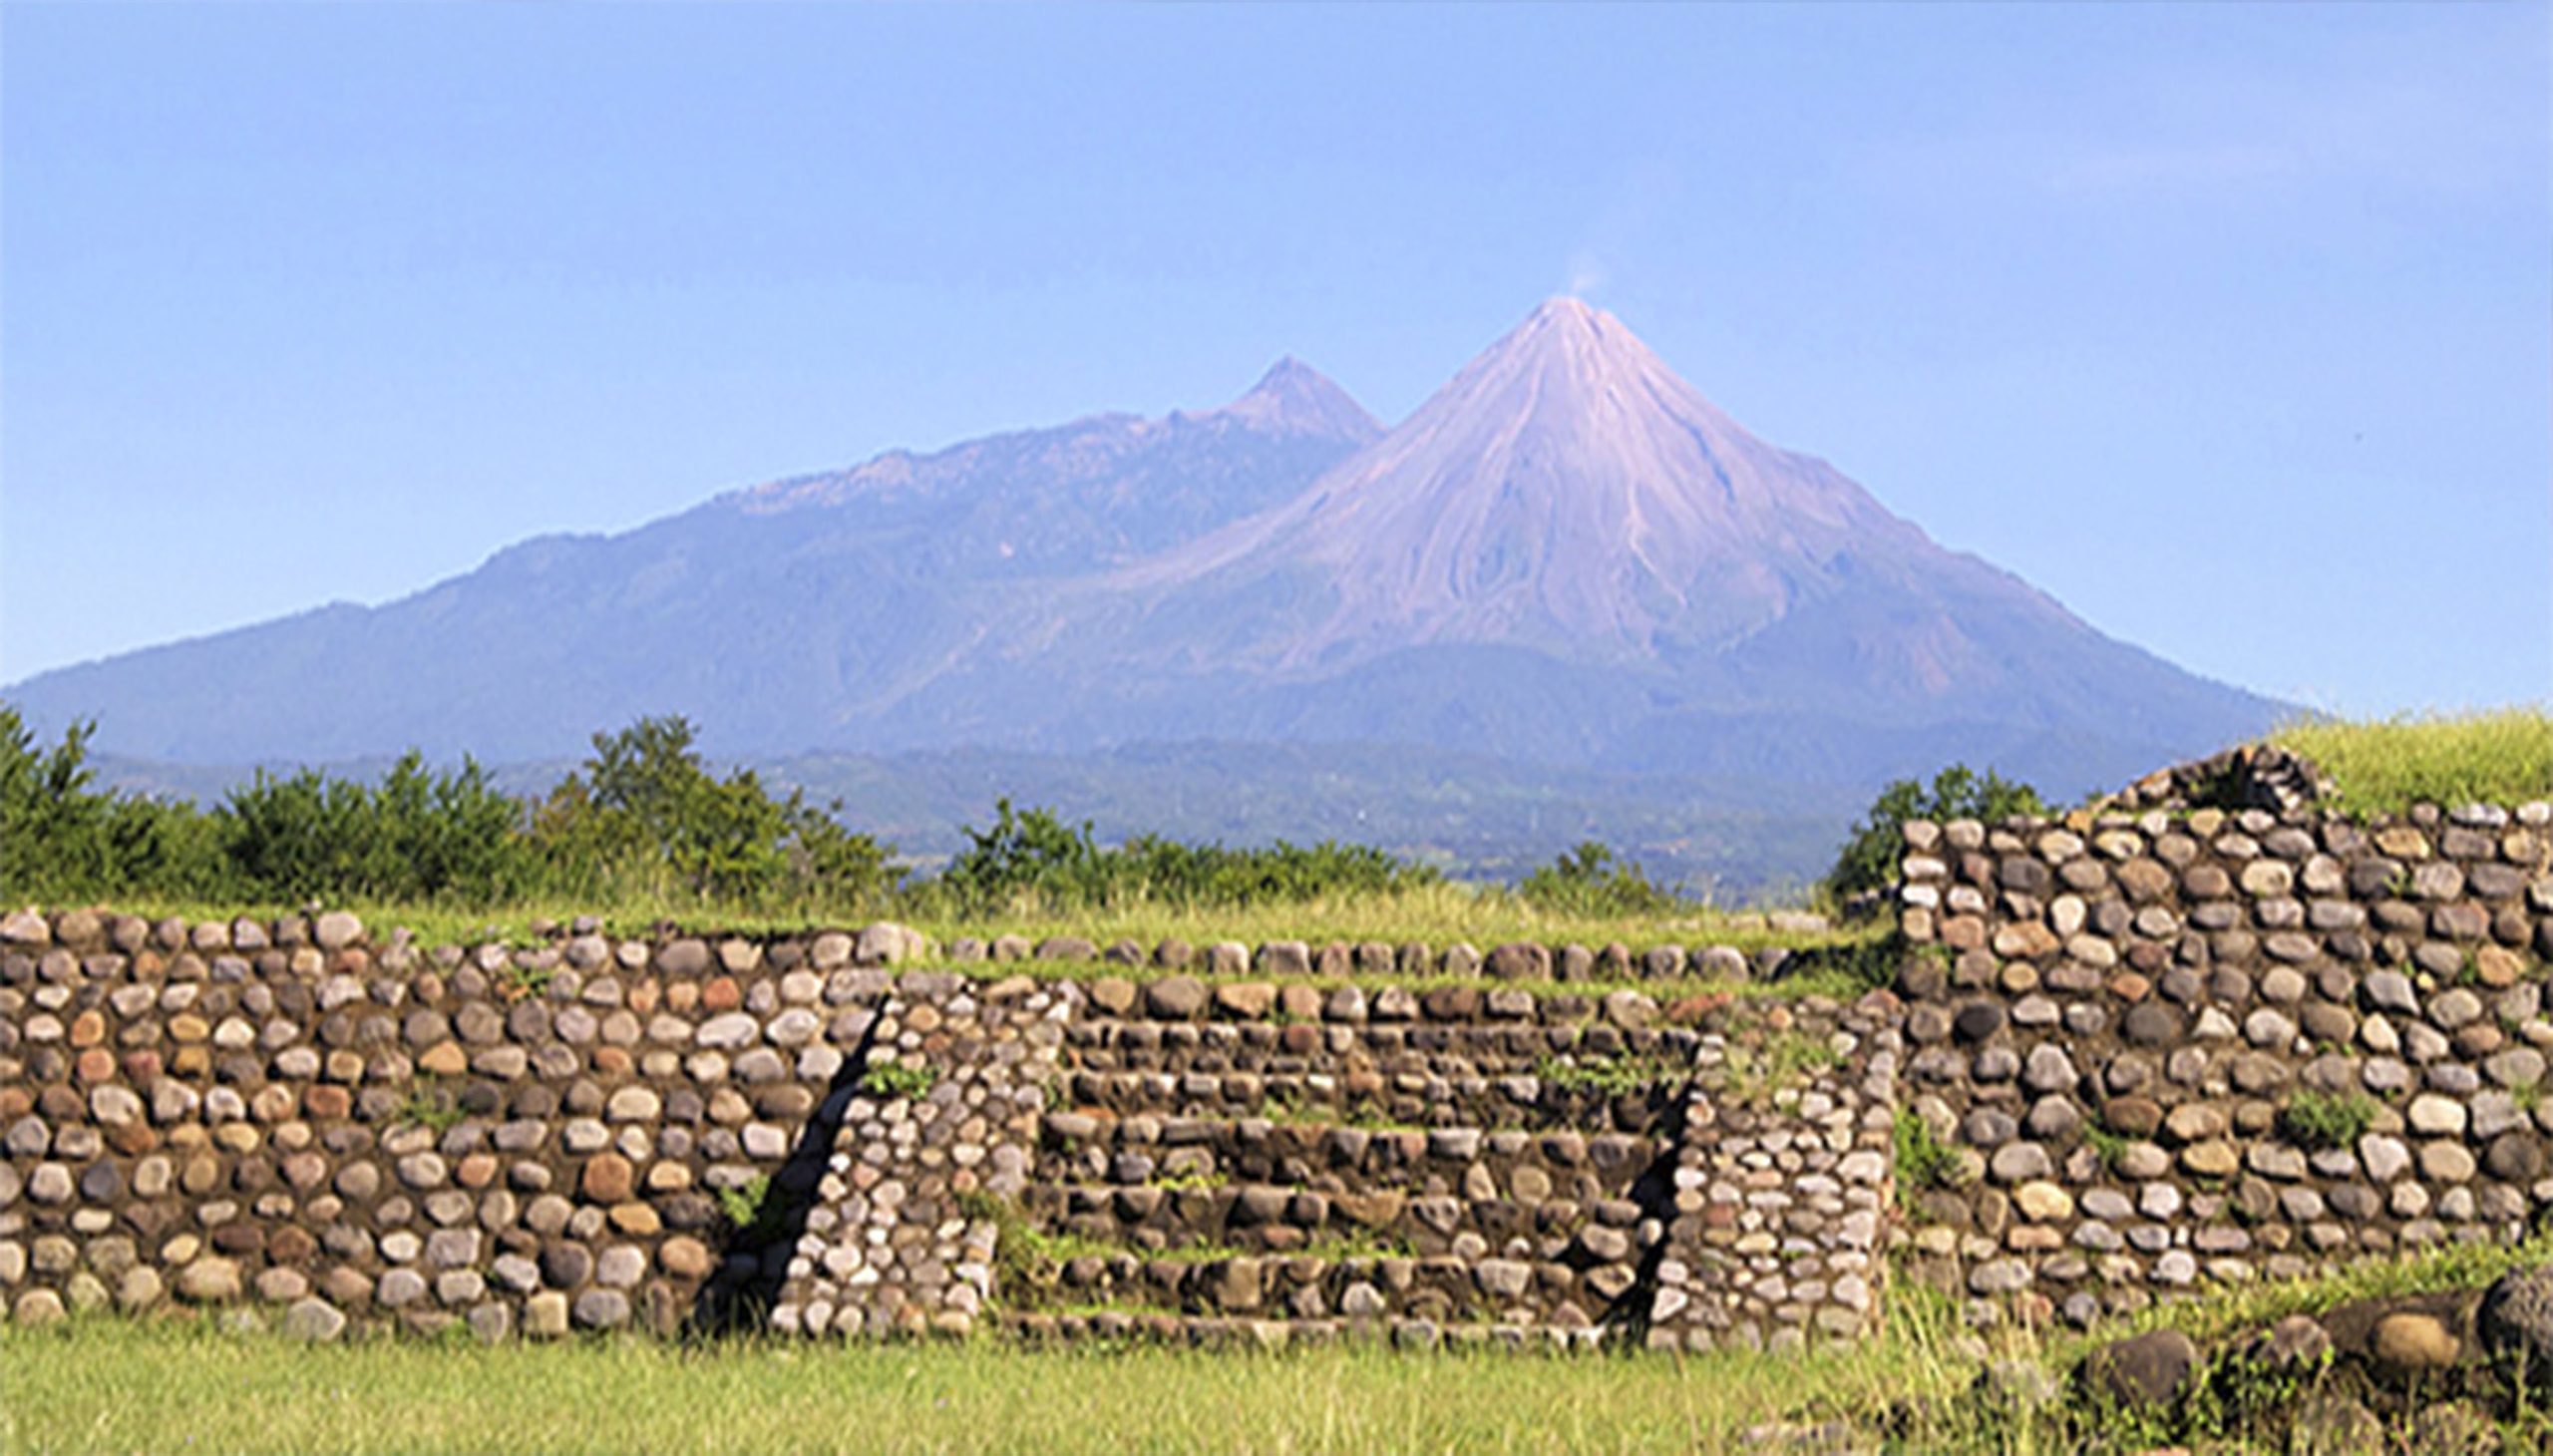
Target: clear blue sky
{"type": "Point", "coordinates": [2230, 326]}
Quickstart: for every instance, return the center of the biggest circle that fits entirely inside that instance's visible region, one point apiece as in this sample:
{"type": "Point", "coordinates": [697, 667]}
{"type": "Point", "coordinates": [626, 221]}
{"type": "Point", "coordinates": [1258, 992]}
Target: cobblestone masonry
{"type": "Point", "coordinates": [890, 1245]}
{"type": "Point", "coordinates": [1782, 1198]}
{"type": "Point", "coordinates": [2153, 1050]}
{"type": "Point", "coordinates": [2168, 1049]}
{"type": "Point", "coordinates": [287, 1119]}
{"type": "Point", "coordinates": [293, 1122]}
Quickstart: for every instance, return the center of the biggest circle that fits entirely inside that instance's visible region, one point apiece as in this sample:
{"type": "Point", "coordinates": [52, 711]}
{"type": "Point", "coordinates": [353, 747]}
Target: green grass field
{"type": "Point", "coordinates": [105, 1384]}
{"type": "Point", "coordinates": [110, 1386]}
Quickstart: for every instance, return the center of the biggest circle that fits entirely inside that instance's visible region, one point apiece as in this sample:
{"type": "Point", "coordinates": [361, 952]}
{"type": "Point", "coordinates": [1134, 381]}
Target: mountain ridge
{"type": "Point", "coordinates": [1566, 555]}
{"type": "Point", "coordinates": [1577, 521]}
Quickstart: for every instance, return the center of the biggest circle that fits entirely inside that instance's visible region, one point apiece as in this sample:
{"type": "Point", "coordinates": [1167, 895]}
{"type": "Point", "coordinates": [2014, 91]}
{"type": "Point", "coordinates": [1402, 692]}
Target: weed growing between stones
{"type": "Point", "coordinates": [2318, 1119]}
{"type": "Point", "coordinates": [1614, 1076]}
{"type": "Point", "coordinates": [1757, 1075]}
{"type": "Point", "coordinates": [1028, 1261]}
{"type": "Point", "coordinates": [2111, 1145]}
{"type": "Point", "coordinates": [430, 1105]}
{"type": "Point", "coordinates": [1188, 1182]}
{"type": "Point", "coordinates": [753, 1215]}
{"type": "Point", "coordinates": [1924, 1162]}
{"type": "Point", "coordinates": [909, 1080]}
{"type": "Point", "coordinates": [1360, 1114]}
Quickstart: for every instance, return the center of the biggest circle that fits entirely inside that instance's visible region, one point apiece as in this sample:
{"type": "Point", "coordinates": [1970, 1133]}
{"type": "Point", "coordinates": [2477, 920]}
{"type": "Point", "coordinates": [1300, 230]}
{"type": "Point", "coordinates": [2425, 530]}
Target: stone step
{"type": "Point", "coordinates": [1480, 1162]}
{"type": "Point", "coordinates": [1218, 1332]}
{"type": "Point", "coordinates": [1524, 1099]}
{"type": "Point", "coordinates": [1563, 1292]}
{"type": "Point", "coordinates": [1282, 1218]}
{"type": "Point", "coordinates": [1220, 1045]}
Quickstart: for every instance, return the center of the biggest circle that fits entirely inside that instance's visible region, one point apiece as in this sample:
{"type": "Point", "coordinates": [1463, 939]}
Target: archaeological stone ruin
{"type": "Point", "coordinates": [2107, 1058]}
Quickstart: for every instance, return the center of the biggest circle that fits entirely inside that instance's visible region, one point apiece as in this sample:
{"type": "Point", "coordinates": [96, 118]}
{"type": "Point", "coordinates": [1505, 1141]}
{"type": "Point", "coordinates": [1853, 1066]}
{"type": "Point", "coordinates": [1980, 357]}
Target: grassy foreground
{"type": "Point", "coordinates": [100, 1384]}
{"type": "Point", "coordinates": [122, 1386]}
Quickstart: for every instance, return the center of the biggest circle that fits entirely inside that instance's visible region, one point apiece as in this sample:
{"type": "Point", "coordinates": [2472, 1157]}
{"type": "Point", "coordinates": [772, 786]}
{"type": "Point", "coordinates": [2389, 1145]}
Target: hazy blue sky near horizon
{"type": "Point", "coordinates": [2230, 326]}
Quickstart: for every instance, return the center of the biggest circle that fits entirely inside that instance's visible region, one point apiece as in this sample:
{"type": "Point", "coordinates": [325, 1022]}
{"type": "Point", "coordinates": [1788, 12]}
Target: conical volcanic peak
{"type": "Point", "coordinates": [1565, 490]}
{"type": "Point", "coordinates": [1290, 424]}
{"type": "Point", "coordinates": [1296, 399]}
{"type": "Point", "coordinates": [1571, 334]}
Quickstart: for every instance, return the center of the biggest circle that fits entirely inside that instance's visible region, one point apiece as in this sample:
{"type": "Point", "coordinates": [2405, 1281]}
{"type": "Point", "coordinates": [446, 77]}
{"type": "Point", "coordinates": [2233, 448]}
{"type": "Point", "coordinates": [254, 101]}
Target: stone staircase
{"type": "Point", "coordinates": [1197, 1161]}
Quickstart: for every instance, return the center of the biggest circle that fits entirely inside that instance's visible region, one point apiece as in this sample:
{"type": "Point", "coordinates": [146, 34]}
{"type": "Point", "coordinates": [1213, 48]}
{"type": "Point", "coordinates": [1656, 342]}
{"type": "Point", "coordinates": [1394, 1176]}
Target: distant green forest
{"type": "Point", "coordinates": [644, 818]}
{"type": "Point", "coordinates": [1471, 818]}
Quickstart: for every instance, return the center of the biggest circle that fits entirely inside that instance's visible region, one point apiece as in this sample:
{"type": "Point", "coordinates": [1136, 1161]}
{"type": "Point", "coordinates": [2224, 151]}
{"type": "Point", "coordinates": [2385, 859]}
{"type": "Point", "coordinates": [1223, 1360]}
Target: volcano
{"type": "Point", "coordinates": [1567, 556]}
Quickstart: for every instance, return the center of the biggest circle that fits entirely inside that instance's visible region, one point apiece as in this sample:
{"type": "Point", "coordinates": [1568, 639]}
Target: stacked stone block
{"type": "Point", "coordinates": [2170, 1048]}
{"type": "Point", "coordinates": [1383, 1161]}
{"type": "Point", "coordinates": [308, 1128]}
{"type": "Point", "coordinates": [323, 1132]}
{"type": "Point", "coordinates": [1285, 959]}
{"type": "Point", "coordinates": [1783, 1194]}
{"type": "Point", "coordinates": [895, 1244]}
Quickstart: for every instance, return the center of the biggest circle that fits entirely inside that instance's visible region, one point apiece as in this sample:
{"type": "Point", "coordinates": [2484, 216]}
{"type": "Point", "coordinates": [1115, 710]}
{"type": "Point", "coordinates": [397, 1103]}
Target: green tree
{"type": "Point", "coordinates": [645, 808]}
{"type": "Point", "coordinates": [1869, 857]}
{"type": "Point", "coordinates": [420, 834]}
{"type": "Point", "coordinates": [49, 821]}
{"type": "Point", "coordinates": [62, 840]}
{"type": "Point", "coordinates": [1592, 880]}
{"type": "Point", "coordinates": [1027, 853]}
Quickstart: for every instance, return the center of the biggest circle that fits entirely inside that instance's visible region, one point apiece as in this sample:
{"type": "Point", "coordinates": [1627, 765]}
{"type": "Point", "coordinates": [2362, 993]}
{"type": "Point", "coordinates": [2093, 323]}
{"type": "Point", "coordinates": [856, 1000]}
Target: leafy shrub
{"type": "Point", "coordinates": [1034, 856]}
{"type": "Point", "coordinates": [1023, 854]}
{"type": "Point", "coordinates": [1869, 857]}
{"type": "Point", "coordinates": [1591, 881]}
{"type": "Point", "coordinates": [643, 815]}
{"type": "Point", "coordinates": [420, 834]}
{"type": "Point", "coordinates": [1181, 874]}
{"type": "Point", "coordinates": [60, 839]}
{"type": "Point", "coordinates": [642, 819]}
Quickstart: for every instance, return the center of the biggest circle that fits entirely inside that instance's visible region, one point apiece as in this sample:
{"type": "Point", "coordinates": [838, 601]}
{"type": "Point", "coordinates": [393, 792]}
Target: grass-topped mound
{"type": "Point", "coordinates": [2501, 756]}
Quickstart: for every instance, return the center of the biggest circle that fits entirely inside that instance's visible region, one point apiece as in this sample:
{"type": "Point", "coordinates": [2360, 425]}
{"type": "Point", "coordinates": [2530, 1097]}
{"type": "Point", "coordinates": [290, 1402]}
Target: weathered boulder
{"type": "Point", "coordinates": [2515, 1324]}
{"type": "Point", "coordinates": [2152, 1371]}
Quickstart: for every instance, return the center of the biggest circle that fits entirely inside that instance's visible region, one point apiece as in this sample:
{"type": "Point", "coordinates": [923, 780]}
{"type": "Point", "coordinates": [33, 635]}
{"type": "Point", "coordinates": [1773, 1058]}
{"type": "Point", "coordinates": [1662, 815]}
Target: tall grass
{"type": "Point", "coordinates": [2499, 756]}
{"type": "Point", "coordinates": [118, 1386]}
{"type": "Point", "coordinates": [104, 1383]}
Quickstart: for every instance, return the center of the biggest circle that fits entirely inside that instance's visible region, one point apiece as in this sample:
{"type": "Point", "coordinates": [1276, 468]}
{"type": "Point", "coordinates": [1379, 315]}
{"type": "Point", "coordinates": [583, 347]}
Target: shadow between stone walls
{"type": "Point", "coordinates": [1628, 1318]}
{"type": "Point", "coordinates": [738, 1298]}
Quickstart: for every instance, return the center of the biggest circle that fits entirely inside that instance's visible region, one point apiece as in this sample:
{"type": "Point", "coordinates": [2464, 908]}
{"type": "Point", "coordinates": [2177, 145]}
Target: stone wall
{"type": "Point", "coordinates": [292, 1121]}
{"type": "Point", "coordinates": [2129, 1055]}
{"type": "Point", "coordinates": [891, 1246]}
{"type": "Point", "coordinates": [2164, 1049]}
{"type": "Point", "coordinates": [1782, 1202]}
{"type": "Point", "coordinates": [286, 1117]}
